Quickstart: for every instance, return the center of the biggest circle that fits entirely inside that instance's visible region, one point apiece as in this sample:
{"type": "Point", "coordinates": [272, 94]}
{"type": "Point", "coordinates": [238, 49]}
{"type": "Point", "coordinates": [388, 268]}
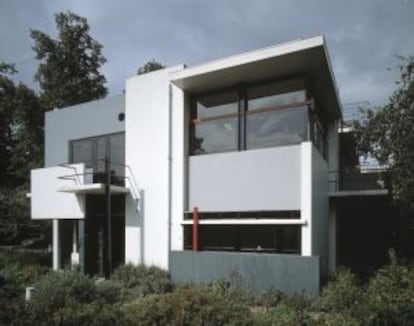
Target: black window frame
{"type": "Point", "coordinates": [242, 91]}
{"type": "Point", "coordinates": [116, 179]}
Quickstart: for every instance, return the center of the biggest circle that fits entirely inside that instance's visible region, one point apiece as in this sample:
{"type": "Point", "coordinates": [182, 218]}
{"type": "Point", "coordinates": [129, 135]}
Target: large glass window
{"type": "Point", "coordinates": [215, 124]}
{"type": "Point", "coordinates": [93, 151]}
{"type": "Point", "coordinates": [267, 115]}
{"type": "Point", "coordinates": [274, 119]}
{"type": "Point", "coordinates": [246, 238]}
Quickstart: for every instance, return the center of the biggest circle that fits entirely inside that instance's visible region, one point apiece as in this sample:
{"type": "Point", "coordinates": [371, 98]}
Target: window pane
{"type": "Point", "coordinates": [102, 152]}
{"type": "Point", "coordinates": [276, 128]}
{"type": "Point", "coordinates": [215, 136]}
{"type": "Point", "coordinates": [117, 156]}
{"type": "Point", "coordinates": [82, 152]}
{"type": "Point", "coordinates": [266, 97]}
{"type": "Point", "coordinates": [217, 104]}
{"type": "Point", "coordinates": [218, 135]}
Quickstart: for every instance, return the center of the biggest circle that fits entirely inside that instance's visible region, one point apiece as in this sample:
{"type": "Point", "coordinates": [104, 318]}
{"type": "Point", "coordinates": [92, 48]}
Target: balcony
{"type": "Point", "coordinates": [359, 180]}
{"type": "Point", "coordinates": [59, 192]}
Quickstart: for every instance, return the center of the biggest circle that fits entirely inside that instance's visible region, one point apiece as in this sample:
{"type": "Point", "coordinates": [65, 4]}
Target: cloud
{"type": "Point", "coordinates": [362, 36]}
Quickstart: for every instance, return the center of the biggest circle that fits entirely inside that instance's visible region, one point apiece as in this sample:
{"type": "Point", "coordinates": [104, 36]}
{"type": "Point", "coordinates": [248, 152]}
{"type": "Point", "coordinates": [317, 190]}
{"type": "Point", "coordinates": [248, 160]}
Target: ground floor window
{"type": "Point", "coordinates": [246, 238]}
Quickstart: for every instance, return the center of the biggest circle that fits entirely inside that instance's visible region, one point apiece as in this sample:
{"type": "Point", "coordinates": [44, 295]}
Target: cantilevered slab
{"type": "Point", "coordinates": [93, 188]}
{"type": "Point", "coordinates": [306, 58]}
{"type": "Point", "coordinates": [358, 193]}
{"type": "Point", "coordinates": [47, 202]}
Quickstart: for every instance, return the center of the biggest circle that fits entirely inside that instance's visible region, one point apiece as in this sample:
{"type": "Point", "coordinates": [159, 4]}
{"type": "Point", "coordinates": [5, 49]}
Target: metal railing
{"type": "Point", "coordinates": [100, 177]}
{"type": "Point", "coordinates": [360, 178]}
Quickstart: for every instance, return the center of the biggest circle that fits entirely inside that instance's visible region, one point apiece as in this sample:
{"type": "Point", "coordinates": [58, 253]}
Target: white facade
{"type": "Point", "coordinates": [164, 181]}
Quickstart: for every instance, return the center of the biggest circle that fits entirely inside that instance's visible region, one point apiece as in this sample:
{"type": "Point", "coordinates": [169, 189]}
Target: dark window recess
{"type": "Point", "coordinates": [245, 215]}
{"type": "Point", "coordinates": [285, 239]}
{"type": "Point", "coordinates": [93, 151]}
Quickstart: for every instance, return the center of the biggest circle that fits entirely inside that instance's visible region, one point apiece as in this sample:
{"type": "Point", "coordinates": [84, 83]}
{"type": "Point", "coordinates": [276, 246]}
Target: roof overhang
{"type": "Point", "coordinates": [308, 58]}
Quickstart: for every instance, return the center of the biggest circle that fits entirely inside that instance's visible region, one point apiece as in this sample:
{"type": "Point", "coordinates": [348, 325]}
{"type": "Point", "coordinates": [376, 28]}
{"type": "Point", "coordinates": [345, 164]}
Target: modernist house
{"type": "Point", "coordinates": [231, 165]}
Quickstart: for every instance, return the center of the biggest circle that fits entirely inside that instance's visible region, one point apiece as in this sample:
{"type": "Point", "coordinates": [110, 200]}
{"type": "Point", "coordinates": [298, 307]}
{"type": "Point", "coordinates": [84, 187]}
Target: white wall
{"type": "Point", "coordinates": [147, 153]}
{"type": "Point", "coordinates": [306, 197]}
{"type": "Point", "coordinates": [80, 121]}
{"type": "Point", "coordinates": [260, 179]}
{"type": "Point", "coordinates": [47, 202]}
{"type": "Point", "coordinates": [180, 122]}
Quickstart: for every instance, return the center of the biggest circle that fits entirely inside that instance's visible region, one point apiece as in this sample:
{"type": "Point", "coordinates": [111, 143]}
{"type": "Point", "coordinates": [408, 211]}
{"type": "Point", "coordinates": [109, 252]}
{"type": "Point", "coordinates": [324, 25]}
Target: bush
{"type": "Point", "coordinates": [390, 296]}
{"type": "Point", "coordinates": [90, 314]}
{"type": "Point", "coordinates": [67, 290]}
{"type": "Point", "coordinates": [187, 306]}
{"type": "Point", "coordinates": [142, 280]}
{"type": "Point", "coordinates": [24, 257]}
{"type": "Point", "coordinates": [278, 315]}
{"type": "Point", "coordinates": [342, 294]}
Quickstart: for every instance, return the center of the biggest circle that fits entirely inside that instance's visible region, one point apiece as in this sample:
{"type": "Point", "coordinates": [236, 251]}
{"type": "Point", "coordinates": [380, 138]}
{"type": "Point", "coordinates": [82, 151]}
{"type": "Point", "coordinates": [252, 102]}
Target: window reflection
{"type": "Point", "coordinates": [217, 133]}
{"type": "Point", "coordinates": [92, 151]}
{"type": "Point", "coordinates": [267, 115]}
{"type": "Point", "coordinates": [276, 128]}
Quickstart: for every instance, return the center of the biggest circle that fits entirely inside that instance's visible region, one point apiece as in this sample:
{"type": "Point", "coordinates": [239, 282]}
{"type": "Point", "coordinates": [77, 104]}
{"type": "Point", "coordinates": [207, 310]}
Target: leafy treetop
{"type": "Point", "coordinates": [388, 134]}
{"type": "Point", "coordinates": [68, 72]}
{"type": "Point", "coordinates": [151, 65]}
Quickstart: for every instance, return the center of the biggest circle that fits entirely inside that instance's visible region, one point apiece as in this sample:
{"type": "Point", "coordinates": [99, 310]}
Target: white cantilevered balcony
{"type": "Point", "coordinates": [59, 192]}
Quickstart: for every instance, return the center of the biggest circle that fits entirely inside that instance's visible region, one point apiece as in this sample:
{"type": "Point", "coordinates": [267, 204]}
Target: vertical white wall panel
{"type": "Point", "coordinates": [147, 153]}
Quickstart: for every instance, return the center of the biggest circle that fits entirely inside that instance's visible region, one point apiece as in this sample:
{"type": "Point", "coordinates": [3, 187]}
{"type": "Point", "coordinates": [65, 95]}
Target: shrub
{"type": "Point", "coordinates": [390, 296]}
{"type": "Point", "coordinates": [278, 315]}
{"type": "Point", "coordinates": [187, 306]}
{"type": "Point", "coordinates": [232, 290]}
{"type": "Point", "coordinates": [142, 280]}
{"type": "Point", "coordinates": [66, 290]}
{"type": "Point", "coordinates": [272, 297]}
{"type": "Point", "coordinates": [342, 294]}
{"type": "Point", "coordinates": [90, 314]}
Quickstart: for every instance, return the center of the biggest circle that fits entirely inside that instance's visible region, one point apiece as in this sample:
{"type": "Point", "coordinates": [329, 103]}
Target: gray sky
{"type": "Point", "coordinates": [363, 36]}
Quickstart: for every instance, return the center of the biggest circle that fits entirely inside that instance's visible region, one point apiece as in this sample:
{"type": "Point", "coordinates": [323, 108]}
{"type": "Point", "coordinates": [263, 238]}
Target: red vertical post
{"type": "Point", "coordinates": [195, 228]}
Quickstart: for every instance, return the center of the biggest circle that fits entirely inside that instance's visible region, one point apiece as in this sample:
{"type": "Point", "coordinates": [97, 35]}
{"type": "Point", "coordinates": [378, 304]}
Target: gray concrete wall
{"type": "Point", "coordinates": [320, 208]}
{"type": "Point", "coordinates": [255, 271]}
{"type": "Point", "coordinates": [261, 179]}
{"type": "Point", "coordinates": [80, 121]}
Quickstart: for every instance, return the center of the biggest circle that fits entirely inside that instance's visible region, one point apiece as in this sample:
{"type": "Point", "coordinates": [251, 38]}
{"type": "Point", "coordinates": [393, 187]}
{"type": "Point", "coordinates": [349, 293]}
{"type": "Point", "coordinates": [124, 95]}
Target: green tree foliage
{"type": "Point", "coordinates": [388, 134]}
{"type": "Point", "coordinates": [21, 149]}
{"type": "Point", "coordinates": [69, 66]}
{"type": "Point", "coordinates": [151, 65]}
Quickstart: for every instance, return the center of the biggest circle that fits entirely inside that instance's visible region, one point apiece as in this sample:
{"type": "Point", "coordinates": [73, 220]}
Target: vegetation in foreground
{"type": "Point", "coordinates": [138, 295]}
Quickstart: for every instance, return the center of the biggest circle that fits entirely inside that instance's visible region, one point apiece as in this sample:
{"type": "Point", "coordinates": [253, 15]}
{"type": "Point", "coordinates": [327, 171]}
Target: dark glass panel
{"type": "Point", "coordinates": [276, 128]}
{"type": "Point", "coordinates": [219, 135]}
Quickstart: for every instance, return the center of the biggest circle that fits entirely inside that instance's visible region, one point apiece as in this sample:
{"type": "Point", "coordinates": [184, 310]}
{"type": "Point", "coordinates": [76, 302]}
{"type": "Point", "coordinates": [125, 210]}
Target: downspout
{"type": "Point", "coordinates": [170, 145]}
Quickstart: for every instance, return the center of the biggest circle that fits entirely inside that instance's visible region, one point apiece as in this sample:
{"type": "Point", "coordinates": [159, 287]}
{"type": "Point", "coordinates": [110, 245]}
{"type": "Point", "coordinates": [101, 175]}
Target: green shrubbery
{"type": "Point", "coordinates": [187, 306]}
{"type": "Point", "coordinates": [145, 296]}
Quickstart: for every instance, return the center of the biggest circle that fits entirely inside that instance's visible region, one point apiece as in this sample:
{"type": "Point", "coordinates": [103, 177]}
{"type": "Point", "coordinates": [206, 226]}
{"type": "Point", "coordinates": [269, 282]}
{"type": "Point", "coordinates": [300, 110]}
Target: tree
{"type": "Point", "coordinates": [21, 149]}
{"type": "Point", "coordinates": [388, 134]}
{"type": "Point", "coordinates": [151, 65]}
{"type": "Point", "coordinates": [68, 72]}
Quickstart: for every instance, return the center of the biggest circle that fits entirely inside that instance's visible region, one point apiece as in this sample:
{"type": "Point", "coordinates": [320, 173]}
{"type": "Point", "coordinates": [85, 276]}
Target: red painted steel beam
{"type": "Point", "coordinates": [195, 228]}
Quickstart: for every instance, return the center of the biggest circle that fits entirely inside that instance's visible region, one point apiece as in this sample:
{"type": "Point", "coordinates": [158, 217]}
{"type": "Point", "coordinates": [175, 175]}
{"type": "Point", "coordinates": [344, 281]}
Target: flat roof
{"type": "Point", "coordinates": [306, 58]}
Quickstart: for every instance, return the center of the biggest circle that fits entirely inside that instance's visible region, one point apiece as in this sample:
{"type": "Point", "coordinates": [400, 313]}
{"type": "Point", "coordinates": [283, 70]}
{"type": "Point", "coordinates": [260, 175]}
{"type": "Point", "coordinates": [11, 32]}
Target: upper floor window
{"type": "Point", "coordinates": [218, 127]}
{"type": "Point", "coordinates": [265, 115]}
{"type": "Point", "coordinates": [93, 151]}
{"type": "Point", "coordinates": [274, 119]}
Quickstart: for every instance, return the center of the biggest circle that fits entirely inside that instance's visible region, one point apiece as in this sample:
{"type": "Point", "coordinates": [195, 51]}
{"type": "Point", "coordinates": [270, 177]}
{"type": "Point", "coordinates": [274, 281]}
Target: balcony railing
{"type": "Point", "coordinates": [360, 178]}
